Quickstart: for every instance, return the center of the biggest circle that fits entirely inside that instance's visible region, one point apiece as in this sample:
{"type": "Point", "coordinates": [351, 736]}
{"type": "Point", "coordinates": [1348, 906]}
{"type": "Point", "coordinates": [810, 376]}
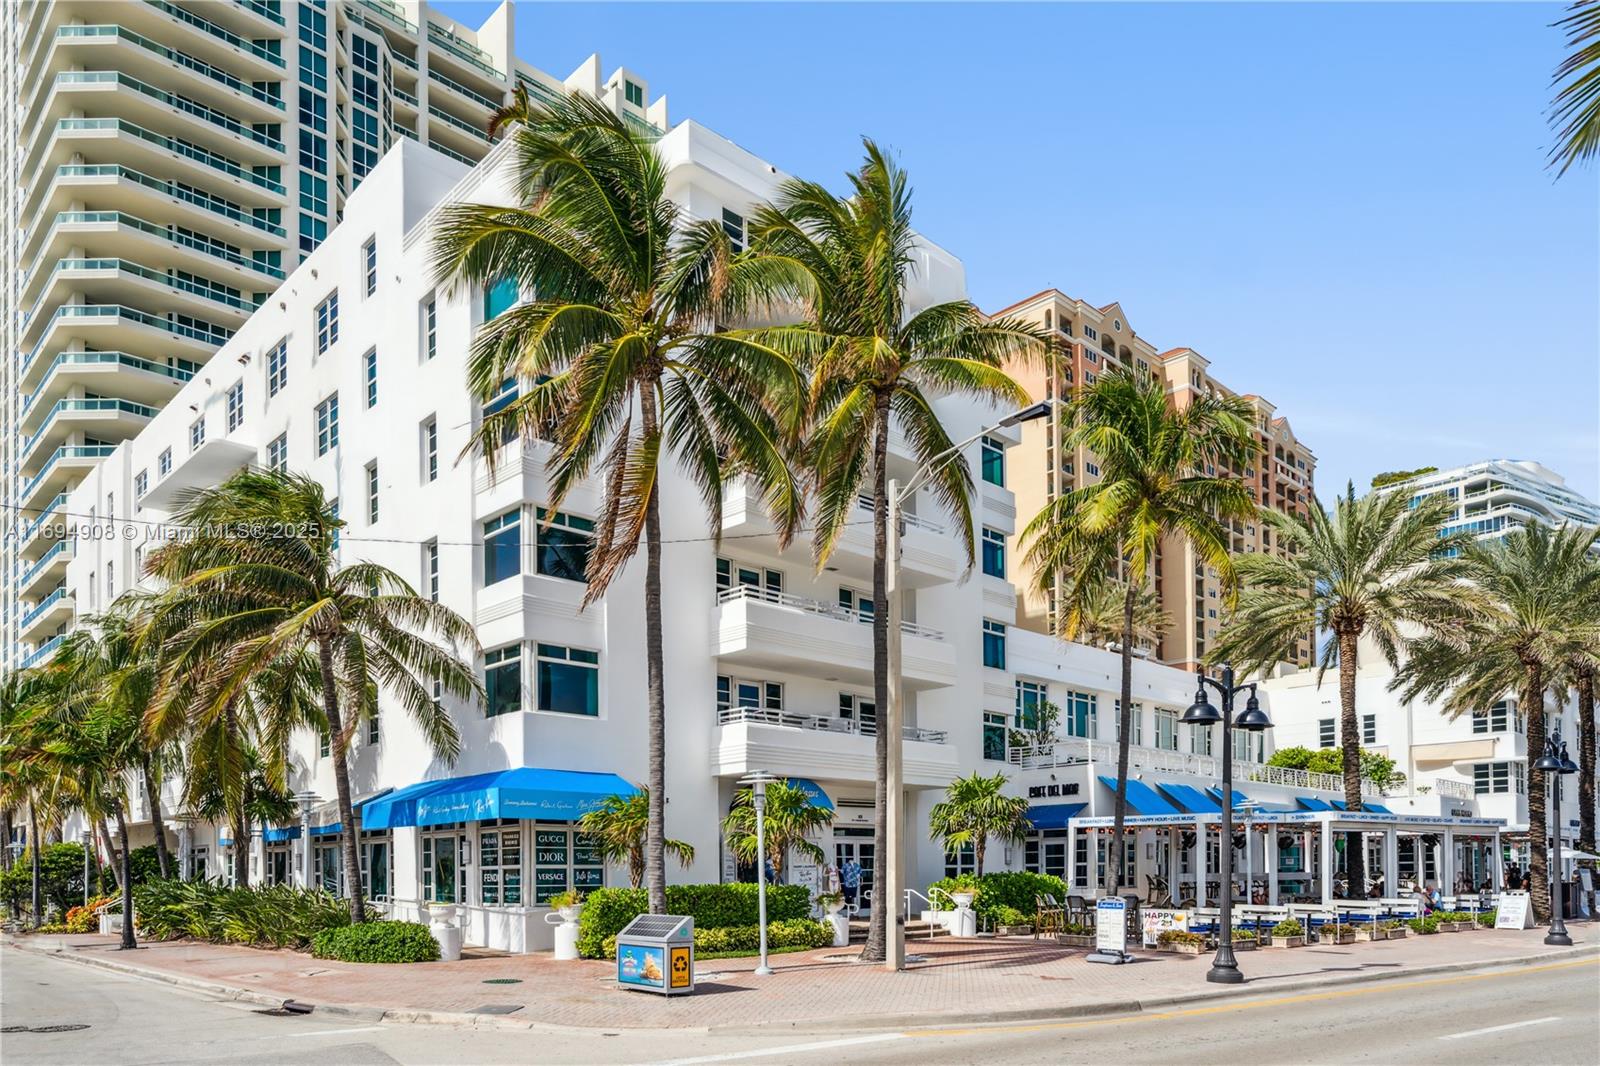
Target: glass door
{"type": "Point", "coordinates": [441, 868]}
{"type": "Point", "coordinates": [375, 870]}
{"type": "Point", "coordinates": [848, 849]}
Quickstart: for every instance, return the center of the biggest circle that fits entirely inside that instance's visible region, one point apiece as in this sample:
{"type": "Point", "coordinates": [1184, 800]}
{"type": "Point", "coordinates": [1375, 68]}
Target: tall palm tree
{"type": "Point", "coordinates": [789, 822]}
{"type": "Point", "coordinates": [876, 362]}
{"type": "Point", "coordinates": [1575, 112]}
{"type": "Point", "coordinates": [618, 358]}
{"type": "Point", "coordinates": [1517, 638]}
{"type": "Point", "coordinates": [1097, 618]}
{"type": "Point", "coordinates": [25, 782]}
{"type": "Point", "coordinates": [1152, 485]}
{"type": "Point", "coordinates": [974, 809]}
{"type": "Point", "coordinates": [1578, 673]}
{"type": "Point", "coordinates": [264, 603]}
{"type": "Point", "coordinates": [1375, 565]}
{"type": "Point", "coordinates": [619, 825]}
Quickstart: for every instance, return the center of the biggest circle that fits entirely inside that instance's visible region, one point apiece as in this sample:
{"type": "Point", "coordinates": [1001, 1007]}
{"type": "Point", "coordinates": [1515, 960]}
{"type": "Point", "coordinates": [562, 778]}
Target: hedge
{"type": "Point", "coordinates": [280, 915]}
{"type": "Point", "coordinates": [377, 942]}
{"type": "Point", "coordinates": [607, 911]}
{"type": "Point", "coordinates": [1016, 889]}
{"type": "Point", "coordinates": [794, 934]}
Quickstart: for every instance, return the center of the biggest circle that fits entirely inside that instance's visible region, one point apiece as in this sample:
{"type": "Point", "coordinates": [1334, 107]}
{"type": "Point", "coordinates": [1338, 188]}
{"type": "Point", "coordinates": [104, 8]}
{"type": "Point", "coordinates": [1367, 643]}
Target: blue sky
{"type": "Point", "coordinates": [1344, 207]}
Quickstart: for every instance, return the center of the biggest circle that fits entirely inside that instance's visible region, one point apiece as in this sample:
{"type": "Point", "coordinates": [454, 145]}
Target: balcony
{"type": "Point", "coordinates": [42, 654]}
{"type": "Point", "coordinates": [122, 281]}
{"type": "Point", "coordinates": [148, 150]}
{"type": "Point", "coordinates": [64, 468]}
{"type": "Point", "coordinates": [100, 418]}
{"type": "Point", "coordinates": [463, 52]}
{"type": "Point", "coordinates": [210, 464]}
{"type": "Point", "coordinates": [1077, 751]}
{"type": "Point", "coordinates": [815, 746]}
{"type": "Point", "coordinates": [52, 612]}
{"type": "Point", "coordinates": [45, 525]}
{"type": "Point", "coordinates": [51, 565]}
{"type": "Point", "coordinates": [115, 327]}
{"type": "Point", "coordinates": [767, 630]}
{"type": "Point", "coordinates": [140, 380]}
{"type": "Point", "coordinates": [76, 92]}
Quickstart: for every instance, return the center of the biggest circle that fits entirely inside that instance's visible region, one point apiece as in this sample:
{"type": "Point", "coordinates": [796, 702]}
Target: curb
{"type": "Point", "coordinates": [866, 1023]}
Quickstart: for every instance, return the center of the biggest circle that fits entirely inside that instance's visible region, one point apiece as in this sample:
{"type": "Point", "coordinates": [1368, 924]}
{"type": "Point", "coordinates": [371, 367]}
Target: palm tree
{"type": "Point", "coordinates": [788, 823]}
{"type": "Point", "coordinates": [876, 362]}
{"type": "Point", "coordinates": [619, 826]}
{"type": "Point", "coordinates": [1097, 617]}
{"type": "Point", "coordinates": [617, 358]}
{"type": "Point", "coordinates": [1578, 673]}
{"type": "Point", "coordinates": [974, 809]}
{"type": "Point", "coordinates": [263, 604]}
{"type": "Point", "coordinates": [1517, 638]}
{"type": "Point", "coordinates": [1152, 485]}
{"type": "Point", "coordinates": [1375, 565]}
{"type": "Point", "coordinates": [24, 781]}
{"type": "Point", "coordinates": [1575, 112]}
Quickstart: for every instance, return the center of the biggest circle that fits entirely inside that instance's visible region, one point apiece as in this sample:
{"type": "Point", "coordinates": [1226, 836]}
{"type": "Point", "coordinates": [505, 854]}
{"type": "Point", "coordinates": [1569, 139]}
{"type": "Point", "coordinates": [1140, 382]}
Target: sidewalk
{"type": "Point", "coordinates": [960, 981]}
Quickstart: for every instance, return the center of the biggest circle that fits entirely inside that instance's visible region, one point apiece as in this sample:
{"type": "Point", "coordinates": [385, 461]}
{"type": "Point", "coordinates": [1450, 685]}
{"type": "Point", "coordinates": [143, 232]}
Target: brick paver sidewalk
{"type": "Point", "coordinates": [960, 980]}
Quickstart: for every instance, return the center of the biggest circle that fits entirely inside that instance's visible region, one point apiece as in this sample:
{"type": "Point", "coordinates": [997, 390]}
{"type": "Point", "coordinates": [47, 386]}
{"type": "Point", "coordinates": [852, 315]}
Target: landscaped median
{"type": "Point", "coordinates": [726, 919]}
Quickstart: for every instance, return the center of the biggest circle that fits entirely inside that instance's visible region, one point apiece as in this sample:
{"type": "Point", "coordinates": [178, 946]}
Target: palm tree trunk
{"type": "Point", "coordinates": [152, 797]}
{"type": "Point", "coordinates": [977, 853]}
{"type": "Point", "coordinates": [5, 838]}
{"type": "Point", "coordinates": [1532, 696]}
{"type": "Point", "coordinates": [1124, 741]}
{"type": "Point", "coordinates": [1586, 755]}
{"type": "Point", "coordinates": [241, 847]}
{"type": "Point", "coordinates": [33, 846]}
{"type": "Point", "coordinates": [876, 947]}
{"type": "Point", "coordinates": [1355, 851]}
{"type": "Point", "coordinates": [125, 875]}
{"type": "Point", "coordinates": [108, 843]}
{"type": "Point", "coordinates": [339, 748]}
{"type": "Point", "coordinates": [655, 832]}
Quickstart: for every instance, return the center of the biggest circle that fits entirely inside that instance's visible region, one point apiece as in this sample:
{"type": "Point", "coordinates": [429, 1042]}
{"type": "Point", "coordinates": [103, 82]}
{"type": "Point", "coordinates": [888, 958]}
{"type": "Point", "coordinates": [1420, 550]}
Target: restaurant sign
{"type": "Point", "coordinates": [1044, 791]}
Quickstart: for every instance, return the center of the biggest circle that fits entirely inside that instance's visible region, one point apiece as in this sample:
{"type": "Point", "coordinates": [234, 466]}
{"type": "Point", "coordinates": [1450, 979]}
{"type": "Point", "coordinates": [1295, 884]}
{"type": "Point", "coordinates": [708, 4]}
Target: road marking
{"type": "Point", "coordinates": [1499, 1028]}
{"type": "Point", "coordinates": [1310, 997]}
{"type": "Point", "coordinates": [337, 1032]}
{"type": "Point", "coordinates": [790, 1049]}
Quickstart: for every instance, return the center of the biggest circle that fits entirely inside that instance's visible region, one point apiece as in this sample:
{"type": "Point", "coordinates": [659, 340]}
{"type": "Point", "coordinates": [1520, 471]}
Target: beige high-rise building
{"type": "Point", "coordinates": [1093, 340]}
{"type": "Point", "coordinates": [167, 165]}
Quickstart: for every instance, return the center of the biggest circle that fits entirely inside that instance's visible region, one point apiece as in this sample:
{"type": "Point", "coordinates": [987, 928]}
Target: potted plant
{"type": "Point", "coordinates": [1338, 933]}
{"type": "Point", "coordinates": [1487, 919]}
{"type": "Point", "coordinates": [1367, 931]}
{"type": "Point", "coordinates": [1075, 935]}
{"type": "Point", "coordinates": [1393, 929]}
{"type": "Point", "coordinates": [568, 904]}
{"type": "Point", "coordinates": [1009, 921]}
{"type": "Point", "coordinates": [1244, 940]}
{"type": "Point", "coordinates": [1287, 934]}
{"type": "Point", "coordinates": [831, 902]}
{"type": "Point", "coordinates": [1453, 921]}
{"type": "Point", "coordinates": [964, 890]}
{"type": "Point", "coordinates": [1181, 942]}
{"type": "Point", "coordinates": [1424, 926]}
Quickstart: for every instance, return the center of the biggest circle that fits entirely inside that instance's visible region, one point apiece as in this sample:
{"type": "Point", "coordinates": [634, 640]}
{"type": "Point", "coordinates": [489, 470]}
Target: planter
{"type": "Point", "coordinates": [963, 899]}
{"type": "Point", "coordinates": [1245, 945]}
{"type": "Point", "coordinates": [1336, 938]}
{"type": "Point", "coordinates": [1394, 934]}
{"type": "Point", "coordinates": [1075, 940]}
{"type": "Point", "coordinates": [841, 929]}
{"type": "Point", "coordinates": [1013, 930]}
{"type": "Point", "coordinates": [1286, 942]}
{"type": "Point", "coordinates": [836, 907]}
{"type": "Point", "coordinates": [1366, 933]}
{"type": "Point", "coordinates": [1453, 927]}
{"type": "Point", "coordinates": [1183, 949]}
{"type": "Point", "coordinates": [570, 914]}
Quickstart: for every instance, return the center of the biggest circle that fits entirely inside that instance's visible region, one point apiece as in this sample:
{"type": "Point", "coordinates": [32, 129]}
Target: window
{"type": "Point", "coordinates": [502, 547]}
{"type": "Point", "coordinates": [1136, 718]}
{"type": "Point", "coordinates": [1166, 730]}
{"type": "Point", "coordinates": [561, 545]}
{"type": "Point", "coordinates": [369, 258]}
{"type": "Point", "coordinates": [731, 574]}
{"type": "Point", "coordinates": [1029, 695]}
{"type": "Point", "coordinates": [328, 424]}
{"type": "Point", "coordinates": [502, 680]}
{"type": "Point", "coordinates": [500, 865]}
{"type": "Point", "coordinates": [371, 368]}
{"type": "Point", "coordinates": [430, 450]}
{"type": "Point", "coordinates": [1090, 468]}
{"type": "Point", "coordinates": [994, 736]}
{"type": "Point", "coordinates": [499, 297]}
{"type": "Point", "coordinates": [1494, 720]}
{"type": "Point", "coordinates": [235, 406]}
{"type": "Point", "coordinates": [333, 508]}
{"type": "Point", "coordinates": [1241, 745]}
{"type": "Point", "coordinates": [141, 485]}
{"type": "Point", "coordinates": [374, 730]}
{"type": "Point", "coordinates": [994, 552]}
{"type": "Point", "coordinates": [372, 492]}
{"type": "Point", "coordinates": [861, 710]}
{"type": "Point", "coordinates": [763, 695]}
{"type": "Point", "coordinates": [1200, 737]}
{"type": "Point", "coordinates": [430, 569]}
{"type": "Point", "coordinates": [859, 604]}
{"type": "Point", "coordinates": [633, 93]}
{"type": "Point", "coordinates": [197, 433]}
{"type": "Point", "coordinates": [994, 644]}
{"type": "Point", "coordinates": [564, 859]}
{"type": "Point", "coordinates": [164, 462]}
{"type": "Point", "coordinates": [964, 861]}
{"type": "Point", "coordinates": [430, 328]}
{"type": "Point", "coordinates": [1327, 737]}
{"type": "Point", "coordinates": [1498, 777]}
{"type": "Point", "coordinates": [733, 226]}
{"type": "Point", "coordinates": [1079, 713]}
{"type": "Point", "coordinates": [992, 461]}
{"type": "Point", "coordinates": [569, 680]}
{"type": "Point", "coordinates": [328, 322]}
{"type": "Point", "coordinates": [1369, 729]}
{"type": "Point", "coordinates": [111, 582]}
{"type": "Point", "coordinates": [1089, 331]}
{"type": "Point", "coordinates": [277, 367]}
{"type": "Point", "coordinates": [278, 452]}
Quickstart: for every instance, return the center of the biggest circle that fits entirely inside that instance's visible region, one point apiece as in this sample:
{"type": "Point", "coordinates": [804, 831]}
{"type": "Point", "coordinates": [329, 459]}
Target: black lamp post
{"type": "Point", "coordinates": [1555, 762]}
{"type": "Point", "coordinates": [1224, 968]}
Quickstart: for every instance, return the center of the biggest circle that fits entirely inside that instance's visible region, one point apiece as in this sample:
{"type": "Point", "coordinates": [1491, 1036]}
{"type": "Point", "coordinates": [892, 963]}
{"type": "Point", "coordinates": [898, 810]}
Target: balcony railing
{"type": "Point", "coordinates": [911, 521]}
{"type": "Point", "coordinates": [822, 723]}
{"type": "Point", "coordinates": [1460, 790]}
{"type": "Point", "coordinates": [68, 451]}
{"type": "Point", "coordinates": [44, 652]}
{"type": "Point", "coordinates": [44, 605]}
{"type": "Point", "coordinates": [43, 561]}
{"type": "Point", "coordinates": [817, 607]}
{"type": "Point", "coordinates": [180, 373]}
{"type": "Point", "coordinates": [166, 233]}
{"type": "Point", "coordinates": [174, 57]}
{"type": "Point", "coordinates": [264, 10]}
{"type": "Point", "coordinates": [138, 270]}
{"type": "Point", "coordinates": [44, 515]}
{"type": "Point", "coordinates": [450, 120]}
{"type": "Point", "coordinates": [1283, 775]}
{"type": "Point", "coordinates": [216, 31]}
{"type": "Point", "coordinates": [471, 54]}
{"type": "Point", "coordinates": [176, 190]}
{"type": "Point", "coordinates": [176, 147]}
{"type": "Point", "coordinates": [390, 13]}
{"type": "Point", "coordinates": [215, 335]}
{"type": "Point", "coordinates": [471, 94]}
{"type": "Point", "coordinates": [172, 100]}
{"type": "Point", "coordinates": [110, 406]}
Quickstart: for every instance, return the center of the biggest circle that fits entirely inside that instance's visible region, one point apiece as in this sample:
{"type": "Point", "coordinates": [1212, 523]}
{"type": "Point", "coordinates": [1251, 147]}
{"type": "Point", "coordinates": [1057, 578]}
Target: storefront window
{"type": "Point", "coordinates": [329, 867]}
{"type": "Point", "coordinates": [441, 867]}
{"type": "Point", "coordinates": [563, 859]}
{"type": "Point", "coordinates": [277, 866]}
{"type": "Point", "coordinates": [500, 865]}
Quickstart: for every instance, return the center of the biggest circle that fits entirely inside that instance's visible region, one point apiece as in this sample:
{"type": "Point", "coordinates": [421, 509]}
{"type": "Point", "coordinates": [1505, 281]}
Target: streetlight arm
{"type": "Point", "coordinates": [926, 470]}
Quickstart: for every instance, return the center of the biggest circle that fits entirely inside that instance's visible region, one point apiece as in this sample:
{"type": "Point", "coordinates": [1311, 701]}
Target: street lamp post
{"type": "Point", "coordinates": [891, 864]}
{"type": "Point", "coordinates": [758, 780]}
{"type": "Point", "coordinates": [306, 800]}
{"type": "Point", "coordinates": [1224, 968]}
{"type": "Point", "coordinates": [88, 839]}
{"type": "Point", "coordinates": [1555, 762]}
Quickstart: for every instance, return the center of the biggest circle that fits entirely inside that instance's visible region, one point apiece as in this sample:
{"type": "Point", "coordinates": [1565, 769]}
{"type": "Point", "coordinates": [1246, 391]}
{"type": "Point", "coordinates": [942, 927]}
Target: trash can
{"type": "Point", "coordinates": [655, 953]}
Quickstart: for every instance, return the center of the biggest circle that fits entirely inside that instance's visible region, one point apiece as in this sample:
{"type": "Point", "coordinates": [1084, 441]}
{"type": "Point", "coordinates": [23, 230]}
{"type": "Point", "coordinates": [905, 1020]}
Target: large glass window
{"type": "Point", "coordinates": [328, 424]}
{"type": "Point", "coordinates": [328, 322]}
{"type": "Point", "coordinates": [441, 866]}
{"type": "Point", "coordinates": [278, 452]}
{"type": "Point", "coordinates": [1029, 695]}
{"type": "Point", "coordinates": [235, 406]}
{"type": "Point", "coordinates": [561, 545]}
{"type": "Point", "coordinates": [992, 460]}
{"type": "Point", "coordinates": [1496, 719]}
{"type": "Point", "coordinates": [563, 859]}
{"type": "Point", "coordinates": [502, 547]}
{"type": "Point", "coordinates": [499, 297]}
{"type": "Point", "coordinates": [502, 680]}
{"type": "Point", "coordinates": [1080, 712]}
{"type": "Point", "coordinates": [994, 644]}
{"type": "Point", "coordinates": [569, 680]}
{"type": "Point", "coordinates": [994, 736]}
{"type": "Point", "coordinates": [500, 866]}
{"type": "Point", "coordinates": [994, 552]}
{"type": "Point", "coordinates": [1166, 730]}
{"type": "Point", "coordinates": [1327, 735]}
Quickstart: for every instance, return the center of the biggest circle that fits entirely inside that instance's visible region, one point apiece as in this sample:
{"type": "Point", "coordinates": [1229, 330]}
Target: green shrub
{"type": "Point", "coordinates": [146, 868]}
{"type": "Point", "coordinates": [793, 934]}
{"type": "Point", "coordinates": [1339, 929]}
{"type": "Point", "coordinates": [1487, 919]}
{"type": "Point", "coordinates": [1180, 936]}
{"type": "Point", "coordinates": [1076, 929]}
{"type": "Point", "coordinates": [1004, 915]}
{"type": "Point", "coordinates": [1430, 924]}
{"type": "Point", "coordinates": [1289, 927]}
{"type": "Point", "coordinates": [279, 915]}
{"type": "Point", "coordinates": [1244, 934]}
{"type": "Point", "coordinates": [1392, 923]}
{"type": "Point", "coordinates": [607, 911]}
{"type": "Point", "coordinates": [60, 878]}
{"type": "Point", "coordinates": [377, 942]}
{"type": "Point", "coordinates": [1018, 890]}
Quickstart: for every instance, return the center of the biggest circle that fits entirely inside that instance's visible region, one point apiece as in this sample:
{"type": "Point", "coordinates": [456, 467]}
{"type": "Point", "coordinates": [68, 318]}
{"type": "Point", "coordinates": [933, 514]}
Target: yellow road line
{"type": "Point", "coordinates": [1223, 1008]}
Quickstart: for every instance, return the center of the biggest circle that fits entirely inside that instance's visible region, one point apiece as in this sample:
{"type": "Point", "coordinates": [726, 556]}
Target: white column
{"type": "Point", "coordinates": [1072, 855]}
{"type": "Point", "coordinates": [1173, 853]}
{"type": "Point", "coordinates": [1201, 835]}
{"type": "Point", "coordinates": [1272, 865]}
{"type": "Point", "coordinates": [1497, 863]}
{"type": "Point", "coordinates": [185, 852]}
{"type": "Point", "coordinates": [1327, 861]}
{"type": "Point", "coordinates": [1447, 863]}
{"type": "Point", "coordinates": [1391, 861]}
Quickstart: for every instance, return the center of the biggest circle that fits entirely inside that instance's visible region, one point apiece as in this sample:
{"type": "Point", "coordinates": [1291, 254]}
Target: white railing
{"type": "Point", "coordinates": [821, 723]}
{"type": "Point", "coordinates": [1077, 751]}
{"type": "Point", "coordinates": [1283, 775]}
{"type": "Point", "coordinates": [1454, 789]}
{"type": "Point", "coordinates": [911, 521]}
{"type": "Point", "coordinates": [817, 607]}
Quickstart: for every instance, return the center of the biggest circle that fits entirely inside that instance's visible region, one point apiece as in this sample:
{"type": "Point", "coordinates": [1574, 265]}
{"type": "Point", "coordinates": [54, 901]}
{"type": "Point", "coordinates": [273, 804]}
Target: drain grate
{"type": "Point", "coordinates": [496, 1008]}
{"type": "Point", "coordinates": [503, 981]}
{"type": "Point", "coordinates": [274, 1012]}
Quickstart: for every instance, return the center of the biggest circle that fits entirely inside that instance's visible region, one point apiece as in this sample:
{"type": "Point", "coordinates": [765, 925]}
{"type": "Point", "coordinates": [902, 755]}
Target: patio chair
{"type": "Point", "coordinates": [1079, 911]}
{"type": "Point", "coordinates": [1049, 915]}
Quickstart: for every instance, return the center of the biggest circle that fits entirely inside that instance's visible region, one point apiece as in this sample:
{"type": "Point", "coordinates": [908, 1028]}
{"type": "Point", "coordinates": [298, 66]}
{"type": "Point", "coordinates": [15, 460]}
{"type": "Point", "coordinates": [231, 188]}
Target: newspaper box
{"type": "Point", "coordinates": [655, 953]}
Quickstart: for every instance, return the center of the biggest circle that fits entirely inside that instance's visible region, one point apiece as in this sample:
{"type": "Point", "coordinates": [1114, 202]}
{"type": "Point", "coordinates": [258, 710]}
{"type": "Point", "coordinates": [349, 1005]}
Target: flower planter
{"type": "Point", "coordinates": [1013, 930]}
{"type": "Point", "coordinates": [963, 899]}
{"type": "Point", "coordinates": [1453, 927]}
{"type": "Point", "coordinates": [1286, 942]}
{"type": "Point", "coordinates": [1075, 940]}
{"type": "Point", "coordinates": [1245, 945]}
{"type": "Point", "coordinates": [1336, 938]}
{"type": "Point", "coordinates": [1365, 933]}
{"type": "Point", "coordinates": [1183, 949]}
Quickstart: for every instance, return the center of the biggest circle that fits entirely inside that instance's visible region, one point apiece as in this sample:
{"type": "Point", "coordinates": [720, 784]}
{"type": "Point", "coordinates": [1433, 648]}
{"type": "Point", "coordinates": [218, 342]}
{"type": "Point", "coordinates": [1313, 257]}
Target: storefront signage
{"type": "Point", "coordinates": [1111, 926]}
{"type": "Point", "coordinates": [1154, 922]}
{"type": "Point", "coordinates": [641, 964]}
{"type": "Point", "coordinates": [1043, 791]}
{"type": "Point", "coordinates": [1513, 912]}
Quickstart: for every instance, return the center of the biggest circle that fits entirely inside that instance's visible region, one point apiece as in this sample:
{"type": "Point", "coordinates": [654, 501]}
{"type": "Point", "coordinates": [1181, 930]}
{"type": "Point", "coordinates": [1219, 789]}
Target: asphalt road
{"type": "Point", "coordinates": [1548, 1015]}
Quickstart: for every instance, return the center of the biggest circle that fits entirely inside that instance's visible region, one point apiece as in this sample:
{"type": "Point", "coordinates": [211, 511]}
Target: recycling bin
{"type": "Point", "coordinates": [655, 953]}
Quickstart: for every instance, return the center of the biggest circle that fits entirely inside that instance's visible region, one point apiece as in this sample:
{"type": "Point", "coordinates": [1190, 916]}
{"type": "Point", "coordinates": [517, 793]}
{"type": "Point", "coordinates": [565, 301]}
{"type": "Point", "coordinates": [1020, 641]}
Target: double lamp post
{"type": "Point", "coordinates": [1556, 763]}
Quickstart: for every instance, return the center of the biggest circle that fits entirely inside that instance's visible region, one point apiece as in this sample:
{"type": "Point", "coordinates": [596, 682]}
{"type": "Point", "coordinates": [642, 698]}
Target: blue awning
{"type": "Point", "coordinates": [1380, 808]}
{"type": "Point", "coordinates": [1053, 815]}
{"type": "Point", "coordinates": [1238, 797]}
{"type": "Point", "coordinates": [278, 835]}
{"type": "Point", "coordinates": [327, 830]}
{"type": "Point", "coordinates": [1190, 799]}
{"type": "Point", "coordinates": [1312, 803]}
{"type": "Point", "coordinates": [1142, 799]}
{"type": "Point", "coordinates": [521, 792]}
{"type": "Point", "coordinates": [224, 842]}
{"type": "Point", "coordinates": [819, 798]}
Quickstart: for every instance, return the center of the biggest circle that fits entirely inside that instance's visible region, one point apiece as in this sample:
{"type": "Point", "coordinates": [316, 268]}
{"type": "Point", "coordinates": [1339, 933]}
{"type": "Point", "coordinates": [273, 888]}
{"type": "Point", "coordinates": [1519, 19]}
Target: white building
{"type": "Point", "coordinates": [354, 372]}
{"type": "Point", "coordinates": [1493, 498]}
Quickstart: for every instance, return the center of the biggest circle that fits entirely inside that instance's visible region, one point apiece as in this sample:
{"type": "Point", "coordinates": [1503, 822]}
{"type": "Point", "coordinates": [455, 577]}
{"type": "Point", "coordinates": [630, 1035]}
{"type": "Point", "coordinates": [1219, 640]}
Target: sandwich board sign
{"type": "Point", "coordinates": [1110, 931]}
{"type": "Point", "coordinates": [1513, 912]}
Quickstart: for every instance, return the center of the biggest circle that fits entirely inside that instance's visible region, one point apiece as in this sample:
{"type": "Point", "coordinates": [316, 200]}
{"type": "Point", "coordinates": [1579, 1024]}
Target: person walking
{"type": "Point", "coordinates": [850, 880]}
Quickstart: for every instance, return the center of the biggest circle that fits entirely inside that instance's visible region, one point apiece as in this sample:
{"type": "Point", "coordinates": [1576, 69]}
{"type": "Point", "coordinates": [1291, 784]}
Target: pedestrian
{"type": "Point", "coordinates": [1513, 879]}
{"type": "Point", "coordinates": [850, 880]}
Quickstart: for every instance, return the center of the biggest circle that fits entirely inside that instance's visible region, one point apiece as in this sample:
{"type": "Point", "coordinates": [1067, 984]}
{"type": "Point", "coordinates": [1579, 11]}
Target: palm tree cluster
{"type": "Point", "coordinates": [244, 639]}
